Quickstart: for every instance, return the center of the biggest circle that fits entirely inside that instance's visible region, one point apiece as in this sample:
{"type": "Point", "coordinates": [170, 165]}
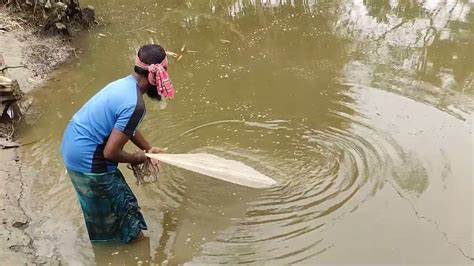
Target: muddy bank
{"type": "Point", "coordinates": [29, 59]}
{"type": "Point", "coordinates": [16, 245]}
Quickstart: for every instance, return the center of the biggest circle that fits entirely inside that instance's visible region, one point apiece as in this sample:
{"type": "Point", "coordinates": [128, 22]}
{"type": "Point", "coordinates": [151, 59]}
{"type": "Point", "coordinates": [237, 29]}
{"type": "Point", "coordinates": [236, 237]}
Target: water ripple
{"type": "Point", "coordinates": [330, 172]}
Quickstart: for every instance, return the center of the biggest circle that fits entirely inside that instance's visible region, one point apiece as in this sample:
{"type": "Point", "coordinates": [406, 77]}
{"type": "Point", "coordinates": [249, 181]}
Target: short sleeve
{"type": "Point", "coordinates": [129, 118]}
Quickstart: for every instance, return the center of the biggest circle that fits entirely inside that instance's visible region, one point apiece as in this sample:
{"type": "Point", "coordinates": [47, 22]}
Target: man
{"type": "Point", "coordinates": [93, 142]}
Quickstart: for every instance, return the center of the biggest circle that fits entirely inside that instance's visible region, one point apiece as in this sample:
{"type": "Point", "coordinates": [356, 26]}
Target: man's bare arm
{"type": "Point", "coordinates": [140, 141]}
{"type": "Point", "coordinates": [113, 150]}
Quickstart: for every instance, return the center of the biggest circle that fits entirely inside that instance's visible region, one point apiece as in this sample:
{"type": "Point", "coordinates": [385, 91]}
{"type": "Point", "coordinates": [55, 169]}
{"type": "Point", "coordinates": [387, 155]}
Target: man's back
{"type": "Point", "coordinates": [119, 105]}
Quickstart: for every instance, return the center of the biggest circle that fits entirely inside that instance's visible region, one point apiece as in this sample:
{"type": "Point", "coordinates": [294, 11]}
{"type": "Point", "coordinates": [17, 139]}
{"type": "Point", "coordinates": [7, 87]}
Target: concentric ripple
{"type": "Point", "coordinates": [322, 174]}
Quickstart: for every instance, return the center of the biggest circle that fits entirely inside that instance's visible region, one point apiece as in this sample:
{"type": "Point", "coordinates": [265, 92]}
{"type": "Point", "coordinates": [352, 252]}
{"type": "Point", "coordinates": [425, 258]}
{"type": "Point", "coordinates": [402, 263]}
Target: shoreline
{"type": "Point", "coordinates": [34, 59]}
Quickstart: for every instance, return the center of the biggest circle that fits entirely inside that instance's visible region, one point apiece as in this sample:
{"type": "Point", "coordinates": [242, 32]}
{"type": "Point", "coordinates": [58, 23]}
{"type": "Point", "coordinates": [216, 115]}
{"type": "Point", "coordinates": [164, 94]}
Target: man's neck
{"type": "Point", "coordinates": [140, 83]}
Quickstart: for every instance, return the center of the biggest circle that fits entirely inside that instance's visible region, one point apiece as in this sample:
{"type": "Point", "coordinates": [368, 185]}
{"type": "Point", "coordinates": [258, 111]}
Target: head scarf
{"type": "Point", "coordinates": [158, 76]}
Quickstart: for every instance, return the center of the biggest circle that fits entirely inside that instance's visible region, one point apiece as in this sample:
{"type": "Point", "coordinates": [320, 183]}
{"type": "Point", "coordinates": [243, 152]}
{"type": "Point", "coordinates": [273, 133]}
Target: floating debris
{"type": "Point", "coordinates": [172, 54]}
{"type": "Point", "coordinates": [151, 31]}
{"type": "Point", "coordinates": [179, 56]}
{"type": "Point", "coordinates": [224, 41]}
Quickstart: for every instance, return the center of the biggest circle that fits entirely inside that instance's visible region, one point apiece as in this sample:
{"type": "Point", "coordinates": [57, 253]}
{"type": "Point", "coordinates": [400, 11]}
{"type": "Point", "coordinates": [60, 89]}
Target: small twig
{"type": "Point", "coordinates": [12, 145]}
{"type": "Point", "coordinates": [12, 133]}
{"type": "Point", "coordinates": [18, 24]}
{"type": "Point", "coordinates": [9, 146]}
{"type": "Point", "coordinates": [29, 143]}
{"type": "Point", "coordinates": [20, 19]}
{"type": "Point", "coordinates": [18, 5]}
{"type": "Point", "coordinates": [7, 67]}
{"type": "Point", "coordinates": [137, 29]}
{"type": "Point", "coordinates": [172, 54]}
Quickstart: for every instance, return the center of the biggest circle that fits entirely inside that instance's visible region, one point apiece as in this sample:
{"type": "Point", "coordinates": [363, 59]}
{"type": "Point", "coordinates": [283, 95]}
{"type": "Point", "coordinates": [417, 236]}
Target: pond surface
{"type": "Point", "coordinates": [361, 110]}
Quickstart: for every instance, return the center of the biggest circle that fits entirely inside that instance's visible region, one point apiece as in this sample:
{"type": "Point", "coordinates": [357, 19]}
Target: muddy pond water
{"type": "Point", "coordinates": [361, 110]}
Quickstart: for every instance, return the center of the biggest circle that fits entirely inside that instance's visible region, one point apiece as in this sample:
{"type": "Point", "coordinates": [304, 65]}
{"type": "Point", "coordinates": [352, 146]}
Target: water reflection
{"type": "Point", "coordinates": [426, 44]}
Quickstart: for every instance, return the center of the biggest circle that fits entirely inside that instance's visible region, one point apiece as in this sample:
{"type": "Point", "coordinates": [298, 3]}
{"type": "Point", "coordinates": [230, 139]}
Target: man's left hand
{"type": "Point", "coordinates": [154, 162]}
{"type": "Point", "coordinates": [156, 150]}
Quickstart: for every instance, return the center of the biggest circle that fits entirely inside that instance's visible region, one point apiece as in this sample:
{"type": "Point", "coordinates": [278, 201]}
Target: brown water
{"type": "Point", "coordinates": [361, 110]}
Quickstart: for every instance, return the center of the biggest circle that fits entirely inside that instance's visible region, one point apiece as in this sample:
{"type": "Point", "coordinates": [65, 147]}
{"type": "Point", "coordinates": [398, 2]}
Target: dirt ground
{"type": "Point", "coordinates": [21, 47]}
{"type": "Point", "coordinates": [34, 58]}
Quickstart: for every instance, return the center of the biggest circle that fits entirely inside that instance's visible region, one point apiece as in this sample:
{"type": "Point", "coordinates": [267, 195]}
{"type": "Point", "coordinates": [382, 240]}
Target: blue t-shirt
{"type": "Point", "coordinates": [119, 105]}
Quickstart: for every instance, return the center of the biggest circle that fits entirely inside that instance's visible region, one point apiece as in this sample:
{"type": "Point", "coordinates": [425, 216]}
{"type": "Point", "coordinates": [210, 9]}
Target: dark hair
{"type": "Point", "coordinates": [150, 54]}
{"type": "Point", "coordinates": [152, 92]}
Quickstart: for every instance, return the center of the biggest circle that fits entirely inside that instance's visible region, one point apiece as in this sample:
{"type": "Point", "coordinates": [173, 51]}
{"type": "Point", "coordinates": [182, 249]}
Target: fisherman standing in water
{"type": "Point", "coordinates": [93, 142]}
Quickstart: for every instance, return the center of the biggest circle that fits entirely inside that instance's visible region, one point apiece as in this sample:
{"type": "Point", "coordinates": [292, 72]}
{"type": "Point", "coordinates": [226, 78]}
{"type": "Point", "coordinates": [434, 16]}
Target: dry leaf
{"type": "Point", "coordinates": [169, 53]}
{"type": "Point", "coordinates": [183, 47]}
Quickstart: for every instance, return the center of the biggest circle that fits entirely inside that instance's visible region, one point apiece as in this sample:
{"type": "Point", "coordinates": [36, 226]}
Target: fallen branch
{"type": "Point", "coordinates": [8, 144]}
